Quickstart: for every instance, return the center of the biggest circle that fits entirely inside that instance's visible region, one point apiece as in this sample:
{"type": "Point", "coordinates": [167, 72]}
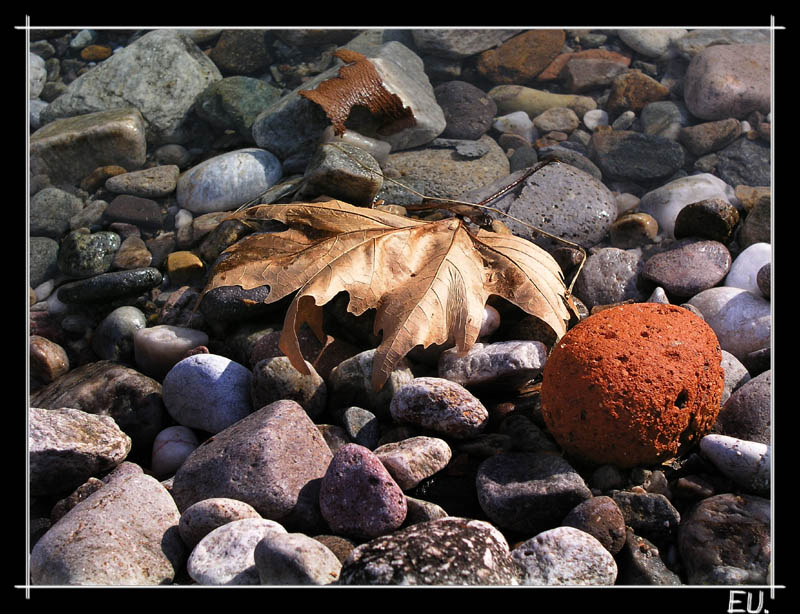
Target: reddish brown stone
{"type": "Point", "coordinates": [96, 53]}
{"type": "Point", "coordinates": [48, 360]}
{"type": "Point", "coordinates": [522, 57]}
{"type": "Point", "coordinates": [633, 385]}
{"type": "Point", "coordinates": [553, 71]}
{"type": "Point", "coordinates": [633, 90]}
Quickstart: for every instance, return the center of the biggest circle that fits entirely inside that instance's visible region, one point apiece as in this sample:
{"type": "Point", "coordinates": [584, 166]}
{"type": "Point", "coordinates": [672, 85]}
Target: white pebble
{"type": "Point", "coordinates": [183, 218]}
{"type": "Point", "coordinates": [170, 449]}
{"type": "Point", "coordinates": [490, 322]}
{"type": "Point", "coordinates": [744, 269]}
{"type": "Point", "coordinates": [745, 462]}
{"type": "Point", "coordinates": [594, 118]}
{"type": "Point", "coordinates": [517, 122]}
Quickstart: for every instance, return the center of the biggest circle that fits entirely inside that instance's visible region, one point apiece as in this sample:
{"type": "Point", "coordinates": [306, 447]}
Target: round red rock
{"type": "Point", "coordinates": [633, 385]}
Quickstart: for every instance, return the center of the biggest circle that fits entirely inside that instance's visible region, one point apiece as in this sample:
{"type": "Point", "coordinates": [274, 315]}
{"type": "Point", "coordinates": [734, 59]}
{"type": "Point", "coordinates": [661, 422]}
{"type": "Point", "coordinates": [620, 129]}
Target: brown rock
{"type": "Point", "coordinates": [521, 58]}
{"type": "Point", "coordinates": [633, 385]}
{"type": "Point", "coordinates": [96, 53]}
{"type": "Point", "coordinates": [184, 267]}
{"type": "Point", "coordinates": [581, 75]}
{"type": "Point", "coordinates": [553, 71]}
{"type": "Point", "coordinates": [48, 360]}
{"type": "Point", "coordinates": [132, 254]}
{"type": "Point", "coordinates": [98, 176]}
{"type": "Point", "coordinates": [633, 90]}
{"type": "Point", "coordinates": [710, 136]}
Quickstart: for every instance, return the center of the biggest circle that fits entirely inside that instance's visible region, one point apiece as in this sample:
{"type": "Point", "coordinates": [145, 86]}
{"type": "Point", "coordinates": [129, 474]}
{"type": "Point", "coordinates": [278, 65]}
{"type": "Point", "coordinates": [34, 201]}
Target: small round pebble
{"type": "Point", "coordinates": [295, 559]}
{"type": "Point", "coordinates": [633, 384]}
{"type": "Point", "coordinates": [440, 405]}
{"type": "Point", "coordinates": [170, 448]}
{"type": "Point", "coordinates": [632, 230]}
{"type": "Point", "coordinates": [411, 460]}
{"type": "Point", "coordinates": [226, 555]}
{"type": "Point", "coordinates": [688, 266]}
{"type": "Point", "coordinates": [199, 519]}
{"type": "Point", "coordinates": [744, 269]}
{"type": "Point", "coordinates": [358, 497]}
{"type": "Point", "coordinates": [745, 462]}
{"type": "Point", "coordinates": [207, 392]}
{"type": "Point", "coordinates": [610, 275]}
{"type": "Point", "coordinates": [275, 379]}
{"type": "Point", "coordinates": [594, 118]}
{"type": "Point", "coordinates": [564, 556]}
{"type": "Point", "coordinates": [601, 518]}
{"type": "Point", "coordinates": [467, 109]}
{"type": "Point", "coordinates": [712, 218]}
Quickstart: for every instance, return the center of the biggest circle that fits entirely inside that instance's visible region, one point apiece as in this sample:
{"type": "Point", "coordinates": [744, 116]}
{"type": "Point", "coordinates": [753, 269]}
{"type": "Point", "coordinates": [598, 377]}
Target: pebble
{"type": "Point", "coordinates": [595, 118]}
{"type": "Point", "coordinates": [344, 172]}
{"type": "Point", "coordinates": [728, 81]}
{"type": "Point", "coordinates": [468, 111]}
{"type": "Point", "coordinates": [155, 182]}
{"type": "Point", "coordinates": [669, 401]}
{"type": "Point", "coordinates": [744, 269]}
{"type": "Point", "coordinates": [736, 375]}
{"type": "Point", "coordinates": [460, 43]}
{"type": "Point", "coordinates": [525, 435]}
{"type": "Point", "coordinates": [47, 360]}
{"type": "Point", "coordinates": [235, 102]}
{"type": "Point", "coordinates": [626, 155]}
{"type": "Point", "coordinates": [68, 446]}
{"type": "Point", "coordinates": [226, 556]}
{"type": "Point", "coordinates": [274, 379]}
{"type": "Point", "coordinates": [562, 119]}
{"type": "Point", "coordinates": [517, 122]}
{"type": "Point", "coordinates": [651, 42]}
{"type": "Point", "coordinates": [610, 275]}
{"type": "Point", "coordinates": [502, 361]}
{"type": "Point", "coordinates": [272, 459]}
{"type": "Point", "coordinates": [121, 535]}
{"type": "Point", "coordinates": [528, 492]}
{"type": "Point", "coordinates": [757, 226]}
{"type": "Point", "coordinates": [633, 90]}
{"type": "Point", "coordinates": [113, 337]}
{"type": "Point", "coordinates": [665, 202]}
{"type": "Point", "coordinates": [512, 98]}
{"type": "Point", "coordinates": [650, 515]}
{"type": "Point", "coordinates": [441, 406]}
{"type": "Point", "coordinates": [445, 551]}
{"type": "Point", "coordinates": [199, 519]}
{"type": "Point", "coordinates": [640, 564]}
{"type": "Point", "coordinates": [713, 218]}
{"type": "Point", "coordinates": [664, 118]}
{"type": "Point", "coordinates": [414, 459]}
{"type": "Point", "coordinates": [358, 496]}
{"type": "Point", "coordinates": [110, 286]}
{"type": "Point", "coordinates": [688, 266]}
{"type": "Point", "coordinates": [564, 556]}
{"type": "Point", "coordinates": [633, 229]}
{"type": "Point", "coordinates": [746, 413]}
{"type": "Point", "coordinates": [582, 75]}
{"type": "Point", "coordinates": [601, 518]}
{"type": "Point", "coordinates": [70, 148]}
{"type": "Point", "coordinates": [159, 348]}
{"type": "Point", "coordinates": [361, 426]}
{"type": "Point", "coordinates": [42, 260]}
{"type": "Point", "coordinates": [207, 392]}
{"type": "Point", "coordinates": [748, 463]}
{"type": "Point", "coordinates": [51, 210]}
{"type": "Point", "coordinates": [741, 320]}
{"type": "Point", "coordinates": [708, 137]}
{"type": "Point", "coordinates": [170, 448]}
{"type": "Point", "coordinates": [228, 180]}
{"type": "Point", "coordinates": [520, 58]}
{"type": "Point", "coordinates": [132, 254]}
{"type": "Point", "coordinates": [725, 540]}
{"type": "Point", "coordinates": [295, 559]}
{"type": "Point", "coordinates": [744, 162]}
{"type": "Point", "coordinates": [84, 254]}
{"type": "Point", "coordinates": [184, 268]}
{"type": "Point", "coordinates": [107, 388]}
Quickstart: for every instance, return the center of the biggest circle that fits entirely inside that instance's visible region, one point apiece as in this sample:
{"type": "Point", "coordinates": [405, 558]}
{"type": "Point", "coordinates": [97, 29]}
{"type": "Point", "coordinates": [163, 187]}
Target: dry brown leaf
{"type": "Point", "coordinates": [359, 83]}
{"type": "Point", "coordinates": [428, 281]}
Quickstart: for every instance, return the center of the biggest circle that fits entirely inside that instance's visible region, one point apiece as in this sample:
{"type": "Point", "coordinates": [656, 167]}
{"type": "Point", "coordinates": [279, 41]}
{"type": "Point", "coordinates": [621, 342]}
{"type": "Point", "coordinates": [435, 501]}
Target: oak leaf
{"type": "Point", "coordinates": [428, 281]}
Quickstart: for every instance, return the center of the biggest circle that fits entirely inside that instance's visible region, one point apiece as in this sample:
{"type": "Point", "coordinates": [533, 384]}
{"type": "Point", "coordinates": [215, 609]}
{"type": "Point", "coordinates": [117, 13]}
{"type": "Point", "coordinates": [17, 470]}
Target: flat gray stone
{"type": "Point", "coordinates": [519, 361]}
{"type": "Point", "coordinates": [745, 462]}
{"type": "Point", "coordinates": [411, 460]}
{"type": "Point", "coordinates": [295, 559]}
{"type": "Point", "coordinates": [199, 519]}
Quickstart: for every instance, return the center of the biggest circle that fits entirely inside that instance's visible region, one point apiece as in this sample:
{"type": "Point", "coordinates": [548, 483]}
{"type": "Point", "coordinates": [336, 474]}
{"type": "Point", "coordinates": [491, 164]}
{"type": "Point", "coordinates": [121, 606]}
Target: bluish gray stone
{"type": "Point", "coordinates": [611, 275]}
{"type": "Point", "coordinates": [514, 361]}
{"type": "Point", "coordinates": [113, 337]}
{"type": "Point", "coordinates": [42, 260]}
{"type": "Point", "coordinates": [228, 180]}
{"type": "Point", "coordinates": [207, 392]}
{"type": "Point", "coordinates": [83, 254]}
{"type": "Point", "coordinates": [745, 462]}
{"type": "Point", "coordinates": [50, 211]}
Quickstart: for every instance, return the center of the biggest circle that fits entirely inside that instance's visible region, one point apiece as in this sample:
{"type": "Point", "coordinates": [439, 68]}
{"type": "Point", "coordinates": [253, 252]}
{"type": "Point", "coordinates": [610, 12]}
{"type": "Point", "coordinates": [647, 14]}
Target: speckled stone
{"type": "Point", "coordinates": [528, 492]}
{"type": "Point", "coordinates": [358, 497]}
{"type": "Point", "coordinates": [564, 556]}
{"type": "Point", "coordinates": [746, 413]}
{"type": "Point", "coordinates": [521, 58]}
{"type": "Point", "coordinates": [601, 518]}
{"type": "Point", "coordinates": [411, 460]}
{"type": "Point", "coordinates": [688, 266]}
{"type": "Point", "coordinates": [611, 275]}
{"type": "Point", "coordinates": [83, 254]}
{"type": "Point", "coordinates": [633, 384]}
{"type": "Point", "coordinates": [467, 109]}
{"type": "Point", "coordinates": [200, 519]}
{"type": "Point", "coordinates": [441, 406]}
{"type": "Point", "coordinates": [627, 155]}
{"type": "Point", "coordinates": [726, 540]}
{"type": "Point", "coordinates": [106, 287]}
{"type": "Point", "coordinates": [446, 551]}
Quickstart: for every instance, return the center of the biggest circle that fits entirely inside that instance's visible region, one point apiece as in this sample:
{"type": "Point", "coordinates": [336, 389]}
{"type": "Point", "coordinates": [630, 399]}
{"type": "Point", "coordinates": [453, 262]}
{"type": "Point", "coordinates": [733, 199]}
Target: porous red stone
{"type": "Point", "coordinates": [633, 385]}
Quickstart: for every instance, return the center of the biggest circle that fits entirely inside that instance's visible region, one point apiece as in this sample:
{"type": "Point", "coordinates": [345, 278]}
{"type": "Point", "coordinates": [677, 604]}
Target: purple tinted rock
{"type": "Point", "coordinates": [601, 518]}
{"type": "Point", "coordinates": [689, 266]}
{"type": "Point", "coordinates": [746, 413]}
{"type": "Point", "coordinates": [358, 496]}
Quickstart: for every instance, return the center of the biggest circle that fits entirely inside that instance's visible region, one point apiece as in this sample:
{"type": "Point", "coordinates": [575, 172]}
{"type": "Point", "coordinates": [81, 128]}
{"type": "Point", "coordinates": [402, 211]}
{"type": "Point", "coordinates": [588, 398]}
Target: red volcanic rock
{"type": "Point", "coordinates": [633, 385]}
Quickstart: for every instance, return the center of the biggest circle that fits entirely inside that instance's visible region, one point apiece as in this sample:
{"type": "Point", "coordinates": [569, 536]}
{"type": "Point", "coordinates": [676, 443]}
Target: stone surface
{"type": "Point", "coordinates": [113, 337]}
{"type": "Point", "coordinates": [344, 172]}
{"type": "Point", "coordinates": [106, 287]}
{"type": "Point", "coordinates": [744, 269]}
{"type": "Point", "coordinates": [710, 136]}
{"type": "Point", "coordinates": [411, 460]}
{"type": "Point", "coordinates": [155, 182]}
{"type": "Point", "coordinates": [502, 361]}
{"type": "Point", "coordinates": [273, 459]}
{"type": "Point", "coordinates": [728, 81]}
{"type": "Point", "coordinates": [511, 98]}
{"type": "Point", "coordinates": [468, 111]}
{"type": "Point", "coordinates": [459, 43]}
{"type": "Point", "coordinates": [601, 518]}
{"type": "Point", "coordinates": [650, 515]}
{"type": "Point", "coordinates": [275, 379]}
{"type": "Point", "coordinates": [528, 492]}
{"type": "Point", "coordinates": [611, 275]}
{"type": "Point", "coordinates": [688, 266]}
{"type": "Point", "coordinates": [171, 447]}
{"type": "Point", "coordinates": [235, 103]}
{"type": "Point", "coordinates": [159, 348]}
{"type": "Point", "coordinates": [627, 155]}
{"type": "Point", "coordinates": [660, 362]}
{"type": "Point", "coordinates": [295, 559]}
{"type": "Point", "coordinates": [712, 218]}
{"type": "Point", "coordinates": [226, 556]}
{"type": "Point", "coordinates": [446, 551]}
{"type": "Point", "coordinates": [68, 446]}
{"type": "Point", "coordinates": [564, 556]}
{"type": "Point", "coordinates": [650, 42]}
{"type": "Point", "coordinates": [746, 412]}
{"type": "Point", "coordinates": [441, 406]}
{"type": "Point", "coordinates": [640, 564]}
{"type": "Point", "coordinates": [228, 180]}
{"type": "Point", "coordinates": [47, 360]}
{"type": "Point", "coordinates": [124, 534]}
{"type": "Point", "coordinates": [741, 320]}
{"type": "Point", "coordinates": [358, 497]}
{"type": "Point", "coordinates": [521, 58]}
{"type": "Point", "coordinates": [69, 149]}
{"type": "Point", "coordinates": [726, 540]}
{"type": "Point", "coordinates": [160, 74]}
{"type": "Point", "coordinates": [748, 463]}
{"type": "Point", "coordinates": [199, 519]}
{"type": "Point", "coordinates": [633, 91]}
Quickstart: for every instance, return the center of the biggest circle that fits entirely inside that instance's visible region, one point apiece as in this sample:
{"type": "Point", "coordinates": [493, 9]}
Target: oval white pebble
{"type": "Point", "coordinates": [595, 118]}
{"type": "Point", "coordinates": [744, 269]}
{"type": "Point", "coordinates": [745, 462]}
{"type": "Point", "coordinates": [158, 348]}
{"type": "Point", "coordinates": [517, 122]}
{"type": "Point", "coordinates": [170, 448]}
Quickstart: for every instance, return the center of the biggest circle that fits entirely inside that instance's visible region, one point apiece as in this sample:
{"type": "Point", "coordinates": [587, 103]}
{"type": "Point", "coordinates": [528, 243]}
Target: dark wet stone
{"type": "Point", "coordinates": [712, 218]}
{"type": "Point", "coordinates": [601, 518]}
{"type": "Point", "coordinates": [235, 102]}
{"type": "Point", "coordinates": [109, 286]}
{"type": "Point", "coordinates": [763, 279]}
{"type": "Point", "coordinates": [689, 266]}
{"type": "Point", "coordinates": [745, 162]}
{"type": "Point", "coordinates": [624, 155]}
{"type": "Point", "coordinates": [83, 254]}
{"type": "Point", "coordinates": [651, 515]}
